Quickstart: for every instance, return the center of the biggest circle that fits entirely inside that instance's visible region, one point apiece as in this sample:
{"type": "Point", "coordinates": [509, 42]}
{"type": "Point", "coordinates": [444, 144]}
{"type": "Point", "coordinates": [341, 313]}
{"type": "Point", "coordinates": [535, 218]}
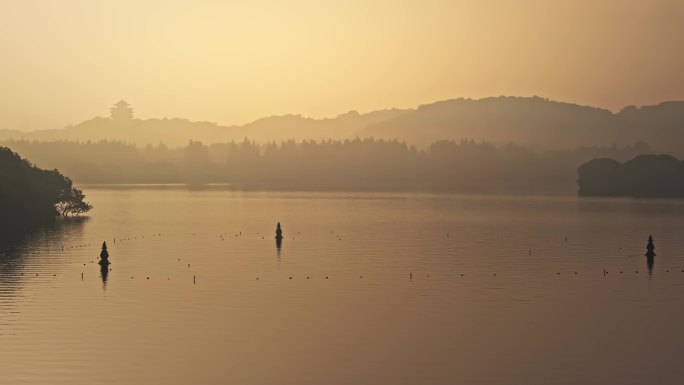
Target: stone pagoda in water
{"type": "Point", "coordinates": [650, 247]}
{"type": "Point", "coordinates": [650, 254]}
{"type": "Point", "coordinates": [279, 233]}
{"type": "Point", "coordinates": [104, 255]}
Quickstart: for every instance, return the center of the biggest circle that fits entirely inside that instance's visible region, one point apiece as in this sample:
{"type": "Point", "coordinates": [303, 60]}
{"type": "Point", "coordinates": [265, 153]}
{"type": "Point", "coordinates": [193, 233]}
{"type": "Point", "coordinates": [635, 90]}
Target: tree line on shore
{"type": "Point", "coordinates": [360, 164]}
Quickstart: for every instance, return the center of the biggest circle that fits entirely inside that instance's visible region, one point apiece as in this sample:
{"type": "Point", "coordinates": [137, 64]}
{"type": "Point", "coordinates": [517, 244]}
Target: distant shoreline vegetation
{"type": "Point", "coordinates": [31, 196]}
{"type": "Point", "coordinates": [464, 166]}
{"type": "Point", "coordinates": [652, 176]}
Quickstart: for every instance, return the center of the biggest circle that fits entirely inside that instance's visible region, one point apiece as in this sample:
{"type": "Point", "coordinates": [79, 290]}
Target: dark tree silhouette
{"type": "Point", "coordinates": [74, 204]}
{"type": "Point", "coordinates": [30, 195]}
{"type": "Point", "coordinates": [643, 176]}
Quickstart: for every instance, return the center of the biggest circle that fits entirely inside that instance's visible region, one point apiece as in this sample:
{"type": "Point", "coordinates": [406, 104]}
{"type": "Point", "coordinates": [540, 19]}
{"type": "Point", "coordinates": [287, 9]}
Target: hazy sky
{"type": "Point", "coordinates": [64, 61]}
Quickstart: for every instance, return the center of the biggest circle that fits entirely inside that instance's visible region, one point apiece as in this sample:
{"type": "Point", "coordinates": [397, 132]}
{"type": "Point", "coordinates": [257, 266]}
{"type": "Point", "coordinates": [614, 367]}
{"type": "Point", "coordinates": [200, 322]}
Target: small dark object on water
{"type": "Point", "coordinates": [104, 255]}
{"type": "Point", "coordinates": [279, 232]}
{"type": "Point", "coordinates": [650, 248]}
{"type": "Point", "coordinates": [650, 254]}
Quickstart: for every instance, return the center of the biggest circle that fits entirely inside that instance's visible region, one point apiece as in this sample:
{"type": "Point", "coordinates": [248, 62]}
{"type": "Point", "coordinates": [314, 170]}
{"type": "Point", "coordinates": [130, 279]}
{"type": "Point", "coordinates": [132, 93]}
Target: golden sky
{"type": "Point", "coordinates": [64, 61]}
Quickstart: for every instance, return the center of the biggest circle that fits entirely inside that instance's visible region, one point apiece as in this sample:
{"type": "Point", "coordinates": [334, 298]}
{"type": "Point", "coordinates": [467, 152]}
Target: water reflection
{"type": "Point", "coordinates": [19, 251]}
{"type": "Point", "coordinates": [104, 272]}
{"type": "Point", "coordinates": [53, 329]}
{"type": "Point", "coordinates": [649, 262]}
{"type": "Point", "coordinates": [279, 245]}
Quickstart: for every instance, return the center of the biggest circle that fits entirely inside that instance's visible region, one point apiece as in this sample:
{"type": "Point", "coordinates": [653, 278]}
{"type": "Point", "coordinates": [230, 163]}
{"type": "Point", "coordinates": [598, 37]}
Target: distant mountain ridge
{"type": "Point", "coordinates": [531, 121]}
{"type": "Point", "coordinates": [176, 132]}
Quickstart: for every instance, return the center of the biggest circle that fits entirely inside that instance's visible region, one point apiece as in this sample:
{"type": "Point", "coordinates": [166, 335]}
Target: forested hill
{"type": "Point", "coordinates": [30, 195]}
{"type": "Point", "coordinates": [529, 121]}
{"type": "Point", "coordinates": [644, 176]}
{"type": "Point", "coordinates": [538, 122]}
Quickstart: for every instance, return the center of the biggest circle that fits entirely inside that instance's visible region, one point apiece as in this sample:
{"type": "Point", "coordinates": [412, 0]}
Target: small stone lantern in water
{"type": "Point", "coordinates": [650, 247]}
{"type": "Point", "coordinates": [279, 238]}
{"type": "Point", "coordinates": [104, 255]}
{"type": "Point", "coordinates": [650, 254]}
{"type": "Point", "coordinates": [279, 232]}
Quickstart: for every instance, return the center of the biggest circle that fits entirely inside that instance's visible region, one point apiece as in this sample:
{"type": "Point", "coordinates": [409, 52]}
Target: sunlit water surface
{"type": "Point", "coordinates": [199, 294]}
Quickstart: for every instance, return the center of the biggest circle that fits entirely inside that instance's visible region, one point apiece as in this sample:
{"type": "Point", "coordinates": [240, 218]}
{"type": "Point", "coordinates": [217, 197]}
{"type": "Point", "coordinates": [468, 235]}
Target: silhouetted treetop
{"type": "Point", "coordinates": [30, 195]}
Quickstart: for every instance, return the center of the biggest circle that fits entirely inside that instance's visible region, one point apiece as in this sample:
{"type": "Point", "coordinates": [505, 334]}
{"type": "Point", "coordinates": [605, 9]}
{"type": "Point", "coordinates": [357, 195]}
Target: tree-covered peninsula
{"type": "Point", "coordinates": [30, 195]}
{"type": "Point", "coordinates": [660, 176]}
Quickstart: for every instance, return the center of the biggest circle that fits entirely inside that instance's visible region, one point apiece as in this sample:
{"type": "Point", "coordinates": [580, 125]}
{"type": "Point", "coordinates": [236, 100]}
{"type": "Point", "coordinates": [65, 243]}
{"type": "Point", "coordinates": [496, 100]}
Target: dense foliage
{"type": "Point", "coordinates": [30, 195]}
{"type": "Point", "coordinates": [643, 176]}
{"type": "Point", "coordinates": [361, 164]}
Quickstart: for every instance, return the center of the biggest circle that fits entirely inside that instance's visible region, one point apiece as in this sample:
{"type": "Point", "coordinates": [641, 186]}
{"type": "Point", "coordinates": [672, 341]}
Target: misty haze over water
{"type": "Point", "coordinates": [489, 276]}
{"type": "Point", "coordinates": [349, 192]}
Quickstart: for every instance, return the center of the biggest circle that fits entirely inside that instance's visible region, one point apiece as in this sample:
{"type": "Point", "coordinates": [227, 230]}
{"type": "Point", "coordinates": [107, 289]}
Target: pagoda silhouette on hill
{"type": "Point", "coordinates": [121, 112]}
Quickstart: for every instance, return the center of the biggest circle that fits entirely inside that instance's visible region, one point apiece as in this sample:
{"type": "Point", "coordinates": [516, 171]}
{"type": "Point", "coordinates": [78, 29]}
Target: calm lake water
{"type": "Point", "coordinates": [497, 294]}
